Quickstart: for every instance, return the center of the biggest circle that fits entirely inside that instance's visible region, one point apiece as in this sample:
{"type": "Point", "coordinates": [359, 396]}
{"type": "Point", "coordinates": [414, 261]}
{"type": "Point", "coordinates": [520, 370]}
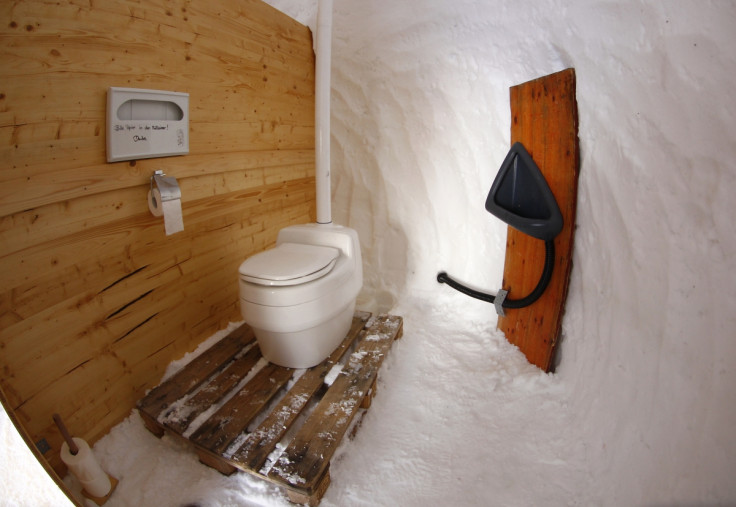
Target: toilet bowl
{"type": "Point", "coordinates": [299, 297]}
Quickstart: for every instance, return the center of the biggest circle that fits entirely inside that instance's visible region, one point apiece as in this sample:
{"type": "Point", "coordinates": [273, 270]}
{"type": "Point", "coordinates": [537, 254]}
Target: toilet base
{"type": "Point", "coordinates": [306, 348]}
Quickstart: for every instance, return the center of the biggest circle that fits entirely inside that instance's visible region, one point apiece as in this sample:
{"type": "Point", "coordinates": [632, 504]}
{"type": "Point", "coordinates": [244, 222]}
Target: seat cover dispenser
{"type": "Point", "coordinates": [289, 264]}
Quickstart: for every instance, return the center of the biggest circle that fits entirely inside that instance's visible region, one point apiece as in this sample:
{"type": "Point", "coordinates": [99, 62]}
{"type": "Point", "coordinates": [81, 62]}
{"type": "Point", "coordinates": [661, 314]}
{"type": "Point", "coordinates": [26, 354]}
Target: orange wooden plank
{"type": "Point", "coordinates": [545, 120]}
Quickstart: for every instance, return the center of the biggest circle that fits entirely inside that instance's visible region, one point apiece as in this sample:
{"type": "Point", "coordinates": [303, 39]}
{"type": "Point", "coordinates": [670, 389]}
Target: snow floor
{"type": "Point", "coordinates": [460, 418]}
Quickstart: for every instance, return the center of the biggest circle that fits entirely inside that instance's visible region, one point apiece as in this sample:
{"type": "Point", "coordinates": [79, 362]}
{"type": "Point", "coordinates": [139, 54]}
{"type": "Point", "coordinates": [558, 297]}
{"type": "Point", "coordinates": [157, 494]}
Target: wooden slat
{"type": "Point", "coordinates": [544, 120]}
{"type": "Point", "coordinates": [219, 431]}
{"type": "Point", "coordinates": [199, 370]}
{"type": "Point", "coordinates": [182, 414]}
{"type": "Point", "coordinates": [262, 440]}
{"type": "Point", "coordinates": [52, 186]}
{"type": "Point", "coordinates": [256, 69]}
{"type": "Point", "coordinates": [132, 203]}
{"type": "Point", "coordinates": [73, 249]}
{"type": "Point", "coordinates": [256, 29]}
{"type": "Point", "coordinates": [256, 108]}
{"type": "Point", "coordinates": [307, 457]}
{"type": "Point", "coordinates": [64, 154]}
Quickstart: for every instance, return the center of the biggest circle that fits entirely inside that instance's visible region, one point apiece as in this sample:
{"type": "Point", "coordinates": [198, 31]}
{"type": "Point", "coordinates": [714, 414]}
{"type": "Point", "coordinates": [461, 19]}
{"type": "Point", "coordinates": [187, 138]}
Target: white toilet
{"type": "Point", "coordinates": [299, 297]}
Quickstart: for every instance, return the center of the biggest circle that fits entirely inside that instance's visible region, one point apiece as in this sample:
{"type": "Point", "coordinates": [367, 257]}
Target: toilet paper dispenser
{"type": "Point", "coordinates": [168, 188]}
{"type": "Point", "coordinates": [164, 200]}
{"type": "Point", "coordinates": [521, 197]}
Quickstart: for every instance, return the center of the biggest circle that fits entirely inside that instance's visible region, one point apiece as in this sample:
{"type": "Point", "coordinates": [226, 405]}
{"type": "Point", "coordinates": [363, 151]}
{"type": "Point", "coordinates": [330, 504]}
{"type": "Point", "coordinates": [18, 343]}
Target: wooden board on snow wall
{"type": "Point", "coordinates": [544, 119]}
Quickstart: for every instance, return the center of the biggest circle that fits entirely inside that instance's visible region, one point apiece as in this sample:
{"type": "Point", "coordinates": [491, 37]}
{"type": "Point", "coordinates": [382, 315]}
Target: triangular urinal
{"type": "Point", "coordinates": [521, 197]}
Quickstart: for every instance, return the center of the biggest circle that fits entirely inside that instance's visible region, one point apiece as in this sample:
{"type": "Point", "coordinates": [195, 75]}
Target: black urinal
{"type": "Point", "coordinates": [521, 197]}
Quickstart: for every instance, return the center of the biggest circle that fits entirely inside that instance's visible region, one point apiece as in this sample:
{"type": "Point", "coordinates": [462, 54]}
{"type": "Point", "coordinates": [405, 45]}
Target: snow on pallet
{"type": "Point", "coordinates": [280, 424]}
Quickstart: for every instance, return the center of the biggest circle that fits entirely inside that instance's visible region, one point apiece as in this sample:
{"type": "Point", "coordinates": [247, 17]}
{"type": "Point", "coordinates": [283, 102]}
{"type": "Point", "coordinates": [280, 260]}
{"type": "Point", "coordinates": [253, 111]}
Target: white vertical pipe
{"type": "Point", "coordinates": [322, 110]}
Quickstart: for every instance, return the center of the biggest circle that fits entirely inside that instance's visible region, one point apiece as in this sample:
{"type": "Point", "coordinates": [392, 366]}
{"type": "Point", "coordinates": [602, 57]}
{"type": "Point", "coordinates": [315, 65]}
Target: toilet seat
{"type": "Point", "coordinates": [289, 264]}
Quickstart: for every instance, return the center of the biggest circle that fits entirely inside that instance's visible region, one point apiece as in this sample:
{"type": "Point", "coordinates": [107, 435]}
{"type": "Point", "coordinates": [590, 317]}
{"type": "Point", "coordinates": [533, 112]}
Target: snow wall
{"type": "Point", "coordinates": [420, 124]}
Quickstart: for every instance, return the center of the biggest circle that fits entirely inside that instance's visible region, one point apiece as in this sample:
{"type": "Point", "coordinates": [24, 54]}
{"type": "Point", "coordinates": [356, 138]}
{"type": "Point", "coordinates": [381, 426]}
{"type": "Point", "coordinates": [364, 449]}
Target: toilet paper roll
{"type": "Point", "coordinates": [154, 203]}
{"type": "Point", "coordinates": [84, 466]}
{"type": "Point", "coordinates": [170, 210]}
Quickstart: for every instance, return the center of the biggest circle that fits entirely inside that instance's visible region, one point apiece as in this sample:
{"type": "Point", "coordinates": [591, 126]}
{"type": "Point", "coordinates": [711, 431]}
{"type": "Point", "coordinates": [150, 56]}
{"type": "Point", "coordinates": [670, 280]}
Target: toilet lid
{"type": "Point", "coordinates": [289, 264]}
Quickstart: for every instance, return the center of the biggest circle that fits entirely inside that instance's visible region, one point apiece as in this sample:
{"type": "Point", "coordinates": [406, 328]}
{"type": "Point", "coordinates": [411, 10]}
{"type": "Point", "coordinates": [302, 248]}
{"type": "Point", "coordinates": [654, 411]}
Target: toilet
{"type": "Point", "coordinates": [299, 297]}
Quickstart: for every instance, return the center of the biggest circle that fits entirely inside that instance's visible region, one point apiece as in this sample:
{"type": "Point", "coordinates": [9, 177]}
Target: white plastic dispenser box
{"type": "Point", "coordinates": [146, 124]}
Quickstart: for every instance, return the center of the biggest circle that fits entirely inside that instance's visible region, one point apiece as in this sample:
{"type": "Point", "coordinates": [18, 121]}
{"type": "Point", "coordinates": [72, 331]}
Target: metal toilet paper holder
{"type": "Point", "coordinates": [167, 187]}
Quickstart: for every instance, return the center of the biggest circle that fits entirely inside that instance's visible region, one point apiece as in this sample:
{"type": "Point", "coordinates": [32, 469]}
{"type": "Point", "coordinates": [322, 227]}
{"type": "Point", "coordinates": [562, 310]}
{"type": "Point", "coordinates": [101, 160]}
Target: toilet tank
{"type": "Point", "coordinates": [337, 236]}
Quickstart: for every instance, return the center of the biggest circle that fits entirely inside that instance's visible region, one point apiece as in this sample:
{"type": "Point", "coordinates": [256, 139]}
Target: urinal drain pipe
{"type": "Point", "coordinates": [549, 264]}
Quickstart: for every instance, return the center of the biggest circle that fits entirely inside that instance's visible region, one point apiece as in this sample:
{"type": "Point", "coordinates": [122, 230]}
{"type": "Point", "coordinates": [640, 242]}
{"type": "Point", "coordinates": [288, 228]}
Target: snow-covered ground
{"type": "Point", "coordinates": [641, 410]}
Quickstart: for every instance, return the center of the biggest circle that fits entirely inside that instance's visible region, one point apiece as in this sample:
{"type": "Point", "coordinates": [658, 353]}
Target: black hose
{"type": "Point", "coordinates": [549, 264]}
{"type": "Point", "coordinates": [445, 278]}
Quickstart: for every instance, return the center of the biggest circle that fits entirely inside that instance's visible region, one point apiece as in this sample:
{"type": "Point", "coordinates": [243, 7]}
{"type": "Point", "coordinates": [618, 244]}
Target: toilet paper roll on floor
{"type": "Point", "coordinates": [170, 210]}
{"type": "Point", "coordinates": [84, 466]}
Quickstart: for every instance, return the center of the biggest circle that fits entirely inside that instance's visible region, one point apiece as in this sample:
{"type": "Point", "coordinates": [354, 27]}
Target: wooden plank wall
{"type": "Point", "coordinates": [95, 300]}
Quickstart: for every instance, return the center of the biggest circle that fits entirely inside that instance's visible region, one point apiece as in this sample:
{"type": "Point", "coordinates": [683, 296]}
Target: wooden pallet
{"type": "Point", "coordinates": [238, 413]}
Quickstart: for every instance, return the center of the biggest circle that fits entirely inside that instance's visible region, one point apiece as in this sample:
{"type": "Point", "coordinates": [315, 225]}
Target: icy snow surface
{"type": "Point", "coordinates": [642, 410]}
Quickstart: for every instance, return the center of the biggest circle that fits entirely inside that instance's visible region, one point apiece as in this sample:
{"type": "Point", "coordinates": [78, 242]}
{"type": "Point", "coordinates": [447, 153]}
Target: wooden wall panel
{"type": "Point", "coordinates": [95, 300]}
